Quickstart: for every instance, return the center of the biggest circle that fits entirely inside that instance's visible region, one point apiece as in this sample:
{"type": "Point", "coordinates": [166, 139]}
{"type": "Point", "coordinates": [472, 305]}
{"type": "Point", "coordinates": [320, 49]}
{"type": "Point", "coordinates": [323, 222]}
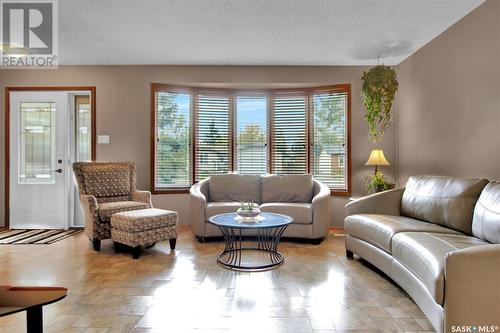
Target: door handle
{"type": "Point", "coordinates": [58, 170]}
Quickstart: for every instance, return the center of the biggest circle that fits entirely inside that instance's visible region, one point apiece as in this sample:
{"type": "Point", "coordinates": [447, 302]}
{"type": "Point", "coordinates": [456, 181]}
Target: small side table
{"type": "Point", "coordinates": [31, 300]}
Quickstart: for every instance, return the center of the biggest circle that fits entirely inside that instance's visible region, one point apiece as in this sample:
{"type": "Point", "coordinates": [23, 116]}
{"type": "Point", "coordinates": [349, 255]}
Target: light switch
{"type": "Point", "coordinates": [103, 139]}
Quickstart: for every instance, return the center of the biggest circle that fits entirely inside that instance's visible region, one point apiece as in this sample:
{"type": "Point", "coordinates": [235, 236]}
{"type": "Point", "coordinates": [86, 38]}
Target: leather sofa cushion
{"type": "Point", "coordinates": [446, 201]}
{"type": "Point", "coordinates": [107, 180]}
{"type": "Point", "coordinates": [301, 212]}
{"type": "Point", "coordinates": [424, 255]}
{"type": "Point", "coordinates": [215, 208]}
{"type": "Point", "coordinates": [486, 221]}
{"type": "Point", "coordinates": [286, 188]}
{"type": "Point", "coordinates": [106, 209]}
{"type": "Point", "coordinates": [234, 187]}
{"type": "Point", "coordinates": [379, 230]}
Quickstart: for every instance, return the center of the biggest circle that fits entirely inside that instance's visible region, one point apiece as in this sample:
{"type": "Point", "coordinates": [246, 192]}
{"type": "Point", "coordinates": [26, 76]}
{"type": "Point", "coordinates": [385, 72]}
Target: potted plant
{"type": "Point", "coordinates": [377, 183]}
{"type": "Point", "coordinates": [379, 87]}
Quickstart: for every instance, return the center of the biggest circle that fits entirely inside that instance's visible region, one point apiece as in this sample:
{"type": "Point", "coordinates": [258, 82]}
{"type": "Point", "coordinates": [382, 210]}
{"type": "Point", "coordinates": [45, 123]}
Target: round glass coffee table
{"type": "Point", "coordinates": [266, 236]}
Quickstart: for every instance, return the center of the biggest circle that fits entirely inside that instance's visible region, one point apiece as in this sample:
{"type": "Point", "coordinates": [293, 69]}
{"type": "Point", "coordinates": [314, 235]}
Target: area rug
{"type": "Point", "coordinates": [35, 236]}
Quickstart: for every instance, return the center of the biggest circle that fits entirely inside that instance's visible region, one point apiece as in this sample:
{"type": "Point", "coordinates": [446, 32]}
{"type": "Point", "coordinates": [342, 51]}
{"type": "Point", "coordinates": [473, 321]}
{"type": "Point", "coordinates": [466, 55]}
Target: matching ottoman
{"type": "Point", "coordinates": [143, 228]}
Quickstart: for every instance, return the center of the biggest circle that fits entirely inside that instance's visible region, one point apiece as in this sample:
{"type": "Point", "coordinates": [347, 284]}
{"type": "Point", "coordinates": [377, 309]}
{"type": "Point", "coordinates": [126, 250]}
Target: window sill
{"type": "Point", "coordinates": [185, 190]}
{"type": "Point", "coordinates": [172, 190]}
{"type": "Point", "coordinates": [340, 194]}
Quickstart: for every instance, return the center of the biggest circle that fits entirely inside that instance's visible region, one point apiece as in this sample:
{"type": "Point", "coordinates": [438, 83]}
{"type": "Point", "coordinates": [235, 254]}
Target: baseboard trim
{"type": "Point", "coordinates": [313, 241]}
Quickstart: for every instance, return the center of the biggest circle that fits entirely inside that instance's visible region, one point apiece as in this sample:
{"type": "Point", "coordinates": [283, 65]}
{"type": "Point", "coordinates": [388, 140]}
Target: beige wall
{"type": "Point", "coordinates": [447, 111]}
{"type": "Point", "coordinates": [449, 101]}
{"type": "Point", "coordinates": [123, 111]}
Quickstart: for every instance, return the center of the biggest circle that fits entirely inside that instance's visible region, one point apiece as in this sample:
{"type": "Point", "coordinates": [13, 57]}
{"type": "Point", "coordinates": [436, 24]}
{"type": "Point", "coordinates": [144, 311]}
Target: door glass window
{"type": "Point", "coordinates": [83, 128]}
{"type": "Point", "coordinates": [37, 144]}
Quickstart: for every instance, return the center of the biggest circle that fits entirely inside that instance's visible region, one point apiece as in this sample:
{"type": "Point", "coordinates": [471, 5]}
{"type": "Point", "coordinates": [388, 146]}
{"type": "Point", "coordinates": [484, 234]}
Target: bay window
{"type": "Point", "coordinates": [251, 135]}
{"type": "Point", "coordinates": [289, 135]}
{"type": "Point", "coordinates": [329, 139]}
{"type": "Point", "coordinates": [212, 128]}
{"type": "Point", "coordinates": [199, 132]}
{"type": "Point", "coordinates": [172, 140]}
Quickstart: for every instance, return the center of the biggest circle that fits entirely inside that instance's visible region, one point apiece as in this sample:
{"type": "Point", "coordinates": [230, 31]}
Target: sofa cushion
{"type": "Point", "coordinates": [301, 212]}
{"type": "Point", "coordinates": [107, 180]}
{"type": "Point", "coordinates": [214, 208]}
{"type": "Point", "coordinates": [424, 255]}
{"type": "Point", "coordinates": [486, 221]}
{"type": "Point", "coordinates": [234, 187]}
{"type": "Point", "coordinates": [286, 188]}
{"type": "Point", "coordinates": [379, 230]}
{"type": "Point", "coordinates": [446, 201]}
{"type": "Point", "coordinates": [106, 209]}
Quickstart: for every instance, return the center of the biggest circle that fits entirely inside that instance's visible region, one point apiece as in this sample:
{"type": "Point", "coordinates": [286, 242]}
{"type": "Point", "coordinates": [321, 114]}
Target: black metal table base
{"type": "Point", "coordinates": [267, 243]}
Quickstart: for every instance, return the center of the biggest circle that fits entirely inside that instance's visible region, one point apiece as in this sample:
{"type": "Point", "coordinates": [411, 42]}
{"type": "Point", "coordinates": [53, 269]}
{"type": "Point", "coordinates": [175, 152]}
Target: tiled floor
{"type": "Point", "coordinates": [316, 290]}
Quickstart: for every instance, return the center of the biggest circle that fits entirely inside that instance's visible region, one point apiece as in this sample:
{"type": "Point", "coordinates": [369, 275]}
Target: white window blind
{"type": "Point", "coordinates": [289, 135]}
{"type": "Point", "coordinates": [212, 131]}
{"type": "Point", "coordinates": [329, 151]}
{"type": "Point", "coordinates": [173, 153]}
{"type": "Point", "coordinates": [251, 143]}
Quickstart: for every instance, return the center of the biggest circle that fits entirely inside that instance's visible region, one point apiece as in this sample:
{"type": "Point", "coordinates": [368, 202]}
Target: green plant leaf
{"type": "Point", "coordinates": [378, 90]}
{"type": "Point", "coordinates": [377, 181]}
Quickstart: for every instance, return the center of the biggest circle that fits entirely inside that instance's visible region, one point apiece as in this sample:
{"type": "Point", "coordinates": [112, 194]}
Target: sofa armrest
{"type": "Point", "coordinates": [472, 288]}
{"type": "Point", "coordinates": [89, 203]}
{"type": "Point", "coordinates": [387, 202]}
{"type": "Point", "coordinates": [198, 207]}
{"type": "Point", "coordinates": [91, 212]}
{"type": "Point", "coordinates": [142, 196]}
{"type": "Point", "coordinates": [321, 204]}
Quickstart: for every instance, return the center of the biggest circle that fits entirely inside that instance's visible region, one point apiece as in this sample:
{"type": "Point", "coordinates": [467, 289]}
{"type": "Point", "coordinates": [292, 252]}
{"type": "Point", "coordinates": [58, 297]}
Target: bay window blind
{"type": "Point", "coordinates": [212, 132]}
{"type": "Point", "coordinates": [251, 136]}
{"type": "Point", "coordinates": [172, 149]}
{"type": "Point", "coordinates": [289, 135]}
{"type": "Point", "coordinates": [329, 132]}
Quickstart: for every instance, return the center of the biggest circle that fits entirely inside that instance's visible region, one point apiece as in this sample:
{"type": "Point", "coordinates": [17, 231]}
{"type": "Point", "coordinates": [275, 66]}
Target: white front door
{"type": "Point", "coordinates": [39, 160]}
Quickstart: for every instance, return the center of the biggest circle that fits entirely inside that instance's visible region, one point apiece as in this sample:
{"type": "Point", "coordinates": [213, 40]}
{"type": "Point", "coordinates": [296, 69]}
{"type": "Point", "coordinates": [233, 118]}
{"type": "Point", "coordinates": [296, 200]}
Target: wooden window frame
{"type": "Point", "coordinates": [232, 94]}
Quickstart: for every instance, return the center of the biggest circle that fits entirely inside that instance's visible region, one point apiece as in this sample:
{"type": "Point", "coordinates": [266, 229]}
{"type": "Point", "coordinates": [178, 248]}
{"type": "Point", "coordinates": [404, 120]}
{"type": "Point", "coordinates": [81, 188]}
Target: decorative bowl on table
{"type": "Point", "coordinates": [248, 212]}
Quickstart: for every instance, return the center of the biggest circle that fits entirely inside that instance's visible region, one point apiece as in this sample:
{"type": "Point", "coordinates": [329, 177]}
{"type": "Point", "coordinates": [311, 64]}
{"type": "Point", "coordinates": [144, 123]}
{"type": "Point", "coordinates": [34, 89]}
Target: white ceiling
{"type": "Point", "coordinates": [251, 32]}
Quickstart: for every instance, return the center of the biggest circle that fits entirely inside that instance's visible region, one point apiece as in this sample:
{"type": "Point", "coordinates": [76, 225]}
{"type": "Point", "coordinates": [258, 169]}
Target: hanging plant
{"type": "Point", "coordinates": [379, 87]}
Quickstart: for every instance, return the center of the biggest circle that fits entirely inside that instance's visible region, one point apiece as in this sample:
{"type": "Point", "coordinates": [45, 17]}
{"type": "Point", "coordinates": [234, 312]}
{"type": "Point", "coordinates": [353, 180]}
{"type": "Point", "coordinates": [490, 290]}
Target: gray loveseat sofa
{"type": "Point", "coordinates": [438, 238]}
{"type": "Point", "coordinates": [300, 196]}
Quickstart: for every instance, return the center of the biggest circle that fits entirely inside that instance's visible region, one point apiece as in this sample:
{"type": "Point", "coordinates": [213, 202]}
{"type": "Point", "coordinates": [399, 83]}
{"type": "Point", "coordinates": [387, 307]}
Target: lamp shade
{"type": "Point", "coordinates": [377, 158]}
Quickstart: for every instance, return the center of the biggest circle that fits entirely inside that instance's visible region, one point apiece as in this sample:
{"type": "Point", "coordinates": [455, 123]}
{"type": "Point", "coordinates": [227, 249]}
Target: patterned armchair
{"type": "Point", "coordinates": [107, 188]}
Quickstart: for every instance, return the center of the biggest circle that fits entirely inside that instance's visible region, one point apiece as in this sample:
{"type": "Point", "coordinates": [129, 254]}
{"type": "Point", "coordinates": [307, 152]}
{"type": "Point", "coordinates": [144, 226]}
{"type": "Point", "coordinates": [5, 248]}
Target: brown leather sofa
{"type": "Point", "coordinates": [438, 238]}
